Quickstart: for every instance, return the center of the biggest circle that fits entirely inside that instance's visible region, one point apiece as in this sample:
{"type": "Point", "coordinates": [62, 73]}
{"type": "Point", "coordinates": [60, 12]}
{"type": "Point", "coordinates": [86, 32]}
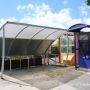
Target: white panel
{"type": "Point", "coordinates": [11, 30]}
{"type": "Point", "coordinates": [85, 30]}
{"type": "Point", "coordinates": [56, 34]}
{"type": "Point", "coordinates": [29, 32]}
{"type": "Point", "coordinates": [1, 32]}
{"type": "Point", "coordinates": [45, 33]}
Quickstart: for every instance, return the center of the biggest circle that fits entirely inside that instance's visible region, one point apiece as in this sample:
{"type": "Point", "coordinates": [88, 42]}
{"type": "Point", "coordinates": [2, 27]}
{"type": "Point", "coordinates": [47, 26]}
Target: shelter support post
{"type": "Point", "coordinates": [67, 48]}
{"type": "Point", "coordinates": [10, 65]}
{"type": "Point", "coordinates": [59, 50]}
{"type": "Point", "coordinates": [3, 53]}
{"type": "Point", "coordinates": [20, 63]}
{"type": "Point", "coordinates": [47, 59]}
{"type": "Point", "coordinates": [28, 62]}
{"type": "Point", "coordinates": [76, 49]}
{"type": "Point", "coordinates": [44, 59]}
{"type": "Point", "coordinates": [55, 59]}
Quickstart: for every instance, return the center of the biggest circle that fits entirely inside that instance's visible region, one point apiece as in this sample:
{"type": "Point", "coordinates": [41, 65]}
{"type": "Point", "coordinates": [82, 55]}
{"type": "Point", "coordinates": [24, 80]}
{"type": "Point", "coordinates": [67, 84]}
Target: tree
{"type": "Point", "coordinates": [88, 2]}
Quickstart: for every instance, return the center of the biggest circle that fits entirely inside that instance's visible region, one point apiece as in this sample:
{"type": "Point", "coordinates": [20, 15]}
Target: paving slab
{"type": "Point", "coordinates": [9, 83]}
{"type": "Point", "coordinates": [79, 83]}
{"type": "Point", "coordinates": [64, 87]}
{"type": "Point", "coordinates": [47, 77]}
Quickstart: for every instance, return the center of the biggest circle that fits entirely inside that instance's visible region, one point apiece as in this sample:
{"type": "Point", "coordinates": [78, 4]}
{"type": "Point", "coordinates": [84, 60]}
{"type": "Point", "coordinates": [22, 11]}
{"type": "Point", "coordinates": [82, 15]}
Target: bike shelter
{"type": "Point", "coordinates": [81, 45]}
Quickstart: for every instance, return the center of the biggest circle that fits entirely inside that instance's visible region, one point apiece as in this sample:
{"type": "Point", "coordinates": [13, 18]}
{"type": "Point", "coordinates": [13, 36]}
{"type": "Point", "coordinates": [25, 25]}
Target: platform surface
{"type": "Point", "coordinates": [46, 78]}
{"type": "Point", "coordinates": [9, 83]}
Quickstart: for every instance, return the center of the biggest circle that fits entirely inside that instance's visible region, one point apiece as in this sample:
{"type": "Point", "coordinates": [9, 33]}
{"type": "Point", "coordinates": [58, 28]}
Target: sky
{"type": "Point", "coordinates": [53, 13]}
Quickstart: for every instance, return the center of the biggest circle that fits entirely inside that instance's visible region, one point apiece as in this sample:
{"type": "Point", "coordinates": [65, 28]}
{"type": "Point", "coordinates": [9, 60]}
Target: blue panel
{"type": "Point", "coordinates": [84, 62]}
{"type": "Point", "coordinates": [77, 27]}
{"type": "Point", "coordinates": [83, 46]}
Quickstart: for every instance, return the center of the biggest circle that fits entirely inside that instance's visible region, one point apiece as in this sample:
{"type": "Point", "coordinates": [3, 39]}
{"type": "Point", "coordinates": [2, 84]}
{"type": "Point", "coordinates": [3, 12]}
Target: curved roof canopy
{"type": "Point", "coordinates": [78, 27]}
{"type": "Point", "coordinates": [28, 39]}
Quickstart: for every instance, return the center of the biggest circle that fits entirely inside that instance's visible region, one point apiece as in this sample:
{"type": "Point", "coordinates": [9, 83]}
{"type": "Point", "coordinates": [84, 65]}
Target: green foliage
{"type": "Point", "coordinates": [88, 2]}
{"type": "Point", "coordinates": [55, 50]}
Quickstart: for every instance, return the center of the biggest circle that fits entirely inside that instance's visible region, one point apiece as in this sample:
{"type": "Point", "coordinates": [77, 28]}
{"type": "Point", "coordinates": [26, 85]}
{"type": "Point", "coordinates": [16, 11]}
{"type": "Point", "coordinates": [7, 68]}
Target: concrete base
{"type": "Point", "coordinates": [9, 83]}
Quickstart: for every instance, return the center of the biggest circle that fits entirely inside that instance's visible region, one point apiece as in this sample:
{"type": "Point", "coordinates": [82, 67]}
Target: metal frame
{"type": "Point", "coordinates": [3, 52]}
{"type": "Point", "coordinates": [35, 25]}
{"type": "Point", "coordinates": [59, 49]}
{"type": "Point", "coordinates": [75, 50]}
{"type": "Point", "coordinates": [67, 48]}
{"type": "Point", "coordinates": [26, 25]}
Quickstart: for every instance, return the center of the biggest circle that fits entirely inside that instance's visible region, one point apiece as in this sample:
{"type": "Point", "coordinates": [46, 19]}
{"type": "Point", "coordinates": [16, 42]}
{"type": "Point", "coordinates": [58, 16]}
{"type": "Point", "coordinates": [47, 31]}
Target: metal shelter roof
{"type": "Point", "coordinates": [78, 27]}
{"type": "Point", "coordinates": [28, 39]}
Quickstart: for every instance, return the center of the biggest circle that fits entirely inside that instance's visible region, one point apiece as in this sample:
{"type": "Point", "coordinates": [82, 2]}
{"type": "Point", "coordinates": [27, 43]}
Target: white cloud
{"type": "Point", "coordinates": [23, 7]}
{"type": "Point", "coordinates": [43, 15]}
{"type": "Point", "coordinates": [83, 10]}
{"type": "Point", "coordinates": [87, 20]}
{"type": "Point", "coordinates": [65, 2]}
{"type": "Point", "coordinates": [36, 8]}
